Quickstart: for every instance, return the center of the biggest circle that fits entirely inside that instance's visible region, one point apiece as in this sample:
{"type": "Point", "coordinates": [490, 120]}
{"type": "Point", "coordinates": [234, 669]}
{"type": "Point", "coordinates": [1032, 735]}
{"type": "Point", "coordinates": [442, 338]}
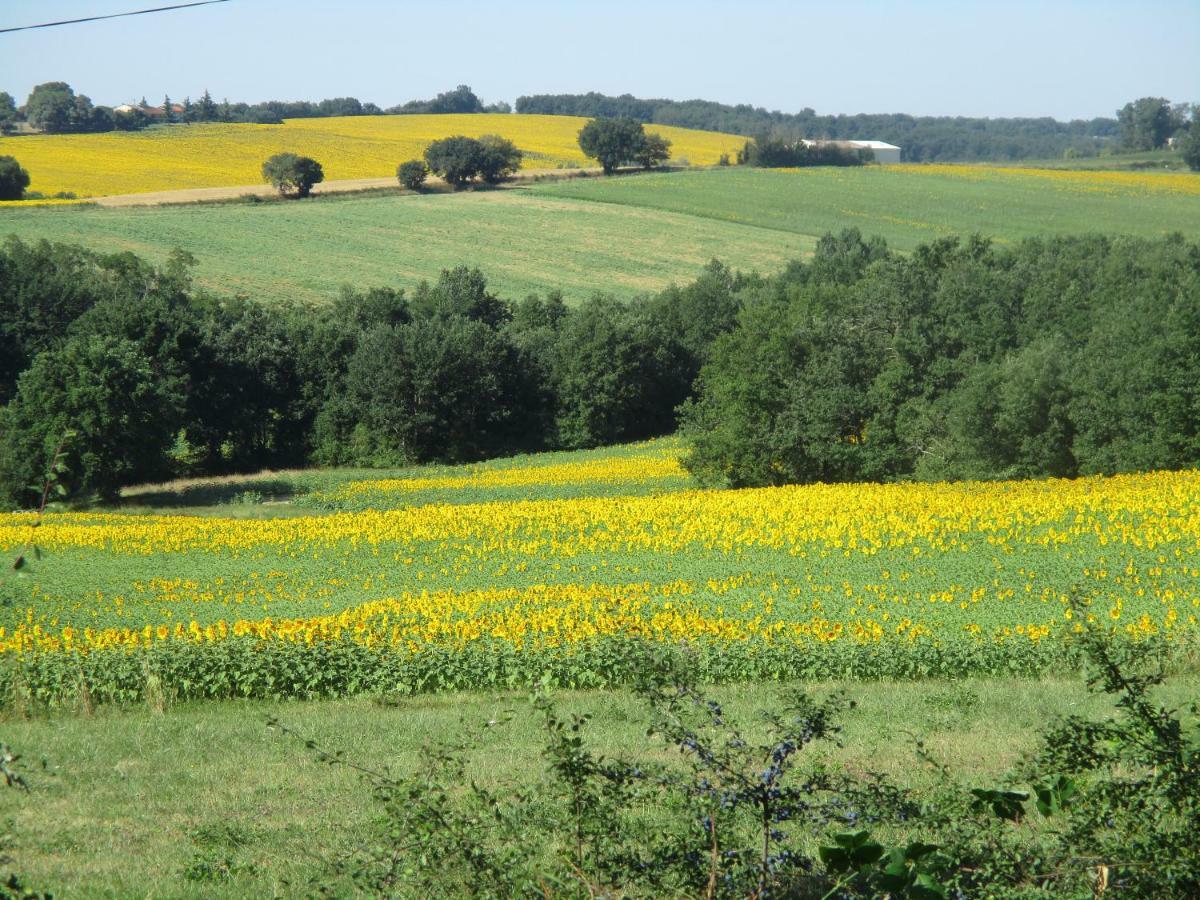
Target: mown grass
{"type": "Point", "coordinates": [911, 205]}
{"type": "Point", "coordinates": [623, 236]}
{"type": "Point", "coordinates": [130, 800]}
{"type": "Point", "coordinates": [524, 243]}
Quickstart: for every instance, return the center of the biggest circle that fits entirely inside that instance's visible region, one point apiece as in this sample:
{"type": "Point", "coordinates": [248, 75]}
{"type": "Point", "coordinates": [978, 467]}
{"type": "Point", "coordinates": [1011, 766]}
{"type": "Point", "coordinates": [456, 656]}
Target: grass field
{"type": "Point", "coordinates": [910, 205]}
{"type": "Point", "coordinates": [194, 156]}
{"type": "Point", "coordinates": [524, 242]}
{"type": "Point", "coordinates": [132, 804]}
{"type": "Point", "coordinates": [548, 567]}
{"type": "Point", "coordinates": [623, 236]}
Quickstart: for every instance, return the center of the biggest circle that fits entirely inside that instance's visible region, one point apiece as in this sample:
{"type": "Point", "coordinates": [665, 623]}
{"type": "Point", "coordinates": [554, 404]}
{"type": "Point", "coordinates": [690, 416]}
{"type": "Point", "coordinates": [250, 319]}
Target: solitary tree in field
{"type": "Point", "coordinates": [13, 179]}
{"type": "Point", "coordinates": [612, 142]}
{"type": "Point", "coordinates": [293, 175]}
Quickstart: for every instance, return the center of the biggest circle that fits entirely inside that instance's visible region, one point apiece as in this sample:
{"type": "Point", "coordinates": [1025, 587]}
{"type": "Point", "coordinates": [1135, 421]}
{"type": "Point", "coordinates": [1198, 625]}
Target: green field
{"type": "Point", "coordinates": [623, 236]}
{"type": "Point", "coordinates": [911, 205]}
{"type": "Point", "coordinates": [131, 803]}
{"type": "Point", "coordinates": [524, 242]}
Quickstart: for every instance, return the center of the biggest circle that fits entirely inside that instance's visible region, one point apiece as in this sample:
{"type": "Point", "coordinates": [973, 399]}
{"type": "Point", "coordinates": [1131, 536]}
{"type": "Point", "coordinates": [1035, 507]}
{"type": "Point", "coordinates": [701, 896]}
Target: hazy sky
{"type": "Point", "coordinates": [1070, 59]}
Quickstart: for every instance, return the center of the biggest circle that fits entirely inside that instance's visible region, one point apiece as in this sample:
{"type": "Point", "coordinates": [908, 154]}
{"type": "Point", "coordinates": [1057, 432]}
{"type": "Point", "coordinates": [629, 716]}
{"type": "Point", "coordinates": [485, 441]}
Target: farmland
{"type": "Point", "coordinates": [919, 580]}
{"type": "Point", "coordinates": [195, 156]}
{"type": "Point", "coordinates": [624, 236]}
{"type": "Point", "coordinates": [523, 242]}
{"type": "Point", "coordinates": [913, 204]}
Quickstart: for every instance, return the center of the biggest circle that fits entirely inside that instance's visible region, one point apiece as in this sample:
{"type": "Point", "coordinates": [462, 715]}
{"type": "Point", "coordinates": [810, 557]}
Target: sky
{"type": "Point", "coordinates": [1070, 59]}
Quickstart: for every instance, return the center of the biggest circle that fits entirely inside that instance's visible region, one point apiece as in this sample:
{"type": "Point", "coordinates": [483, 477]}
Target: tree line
{"type": "Point", "coordinates": [55, 108]}
{"type": "Point", "coordinates": [1053, 357]}
{"type": "Point", "coordinates": [922, 138]}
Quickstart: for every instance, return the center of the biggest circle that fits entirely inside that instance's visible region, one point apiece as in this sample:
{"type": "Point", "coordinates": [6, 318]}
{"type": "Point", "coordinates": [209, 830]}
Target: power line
{"type": "Point", "coordinates": [136, 12]}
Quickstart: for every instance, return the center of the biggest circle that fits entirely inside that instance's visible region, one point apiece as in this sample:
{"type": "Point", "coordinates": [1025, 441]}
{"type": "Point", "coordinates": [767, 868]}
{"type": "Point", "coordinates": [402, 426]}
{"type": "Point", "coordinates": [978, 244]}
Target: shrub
{"type": "Point", "coordinates": [13, 179]}
{"type": "Point", "coordinates": [412, 174]}
{"type": "Point", "coordinates": [292, 174]}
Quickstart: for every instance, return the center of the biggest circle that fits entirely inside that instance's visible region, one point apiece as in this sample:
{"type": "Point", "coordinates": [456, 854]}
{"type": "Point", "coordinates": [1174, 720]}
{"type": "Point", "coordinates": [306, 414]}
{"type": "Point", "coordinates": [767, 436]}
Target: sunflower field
{"type": "Point", "coordinates": [392, 595]}
{"type": "Point", "coordinates": [180, 157]}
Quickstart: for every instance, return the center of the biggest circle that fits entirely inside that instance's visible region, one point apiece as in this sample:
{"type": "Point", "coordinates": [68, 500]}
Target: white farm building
{"type": "Point", "coordinates": [884, 152]}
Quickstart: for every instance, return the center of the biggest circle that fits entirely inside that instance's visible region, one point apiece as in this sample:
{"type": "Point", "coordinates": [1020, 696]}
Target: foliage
{"type": "Point", "coordinates": [456, 159]}
{"type": "Point", "coordinates": [499, 158]}
{"type": "Point", "coordinates": [771, 152]}
{"type": "Point", "coordinates": [8, 112]}
{"type": "Point", "coordinates": [13, 179]}
{"type": "Point", "coordinates": [1189, 142]}
{"type": "Point", "coordinates": [55, 108]}
{"type": "Point", "coordinates": [292, 174]}
{"type": "Point", "coordinates": [104, 388]}
{"type": "Point", "coordinates": [412, 174]}
{"type": "Point", "coordinates": [974, 366]}
{"type": "Point", "coordinates": [1146, 123]}
{"type": "Point", "coordinates": [922, 138]}
{"type": "Point", "coordinates": [616, 142]}
{"type": "Point", "coordinates": [1115, 811]}
{"type": "Point", "coordinates": [655, 151]}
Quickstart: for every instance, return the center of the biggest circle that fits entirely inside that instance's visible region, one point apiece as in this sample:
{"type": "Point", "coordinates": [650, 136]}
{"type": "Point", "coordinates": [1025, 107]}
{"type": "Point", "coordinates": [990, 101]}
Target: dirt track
{"type": "Point", "coordinates": [202, 195]}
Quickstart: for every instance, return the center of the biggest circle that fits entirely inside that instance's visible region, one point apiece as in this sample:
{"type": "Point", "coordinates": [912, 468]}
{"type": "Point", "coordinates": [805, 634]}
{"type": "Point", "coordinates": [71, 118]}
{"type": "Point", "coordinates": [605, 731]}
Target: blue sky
{"type": "Point", "coordinates": [1063, 59]}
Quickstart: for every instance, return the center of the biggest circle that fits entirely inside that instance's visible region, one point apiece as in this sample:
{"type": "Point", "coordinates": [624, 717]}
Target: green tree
{"type": "Point", "coordinates": [412, 174]}
{"type": "Point", "coordinates": [444, 388]}
{"type": "Point", "coordinates": [206, 109]}
{"type": "Point", "coordinates": [456, 159]}
{"type": "Point", "coordinates": [53, 107]}
{"type": "Point", "coordinates": [616, 376]}
{"type": "Point", "coordinates": [13, 179]}
{"type": "Point", "coordinates": [499, 158]}
{"type": "Point", "coordinates": [1189, 142]}
{"type": "Point", "coordinates": [168, 115]}
{"type": "Point", "coordinates": [293, 175]}
{"type": "Point", "coordinates": [612, 142]}
{"type": "Point", "coordinates": [461, 292]}
{"type": "Point", "coordinates": [104, 389]}
{"type": "Point", "coordinates": [1146, 123]}
{"type": "Point", "coordinates": [655, 151]}
{"type": "Point", "coordinates": [8, 112]}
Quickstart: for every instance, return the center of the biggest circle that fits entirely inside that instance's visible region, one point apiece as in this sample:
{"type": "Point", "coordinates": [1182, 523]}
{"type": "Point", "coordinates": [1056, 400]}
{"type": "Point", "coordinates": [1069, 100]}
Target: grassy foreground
{"type": "Point", "coordinates": [134, 803]}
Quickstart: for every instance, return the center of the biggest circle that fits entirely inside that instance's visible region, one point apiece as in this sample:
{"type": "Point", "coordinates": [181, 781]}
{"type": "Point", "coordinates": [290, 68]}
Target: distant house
{"type": "Point", "coordinates": [156, 112]}
{"type": "Point", "coordinates": [884, 152]}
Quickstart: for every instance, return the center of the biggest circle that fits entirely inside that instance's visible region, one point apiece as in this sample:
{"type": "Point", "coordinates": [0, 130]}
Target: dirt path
{"type": "Point", "coordinates": [346, 186]}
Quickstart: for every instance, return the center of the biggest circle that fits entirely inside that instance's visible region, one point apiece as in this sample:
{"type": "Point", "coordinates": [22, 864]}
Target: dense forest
{"type": "Point", "coordinates": [922, 138]}
{"type": "Point", "coordinates": [1056, 356]}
